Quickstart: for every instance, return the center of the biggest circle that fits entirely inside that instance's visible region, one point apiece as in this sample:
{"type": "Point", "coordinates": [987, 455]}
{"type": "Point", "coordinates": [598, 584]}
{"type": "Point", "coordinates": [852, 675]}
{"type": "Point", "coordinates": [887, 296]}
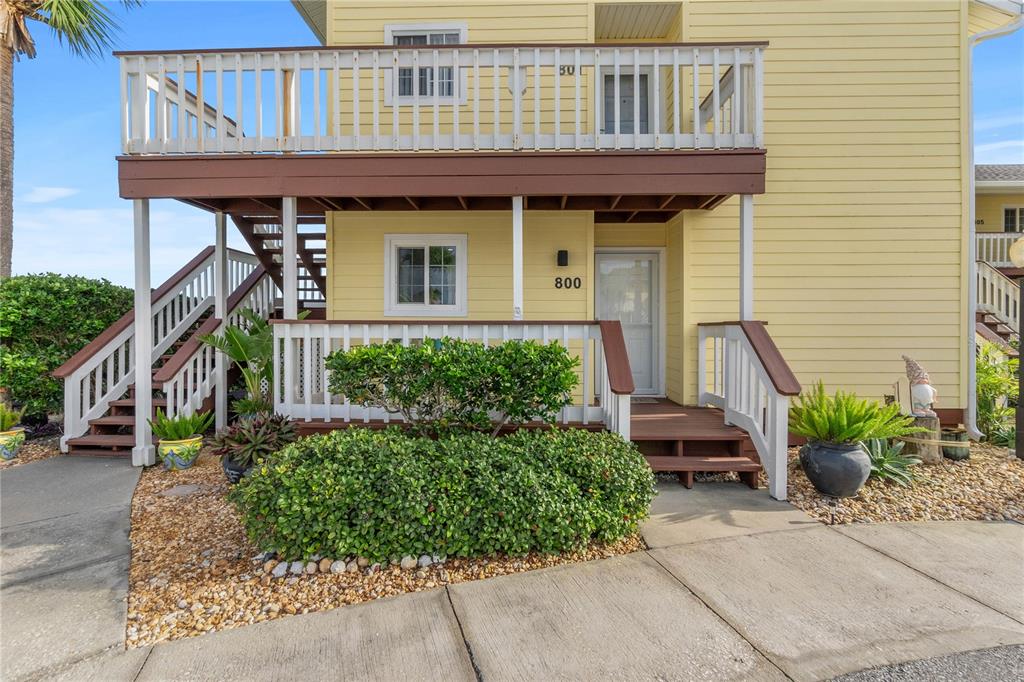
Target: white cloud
{"type": "Point", "coordinates": [97, 242]}
{"type": "Point", "coordinates": [44, 195]}
{"type": "Point", "coordinates": [996, 122]}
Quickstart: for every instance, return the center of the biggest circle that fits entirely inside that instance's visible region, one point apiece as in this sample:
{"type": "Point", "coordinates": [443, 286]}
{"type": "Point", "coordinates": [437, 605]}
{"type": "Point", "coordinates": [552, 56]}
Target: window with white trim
{"type": "Point", "coordinates": [425, 274]}
{"type": "Point", "coordinates": [1013, 219]}
{"type": "Point", "coordinates": [426, 81]}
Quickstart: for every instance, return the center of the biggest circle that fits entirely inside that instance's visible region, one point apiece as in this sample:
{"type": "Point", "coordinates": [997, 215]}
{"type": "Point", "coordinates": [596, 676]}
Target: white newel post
{"type": "Point", "coordinates": [289, 229]}
{"type": "Point", "coordinates": [746, 256]}
{"type": "Point", "coordinates": [143, 453]}
{"type": "Point", "coordinates": [517, 258]}
{"type": "Point", "coordinates": [220, 311]}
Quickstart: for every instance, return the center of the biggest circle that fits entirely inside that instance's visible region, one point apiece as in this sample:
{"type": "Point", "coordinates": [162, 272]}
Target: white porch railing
{"type": "Point", "coordinates": [740, 370]}
{"type": "Point", "coordinates": [998, 295]}
{"type": "Point", "coordinates": [190, 377]}
{"type": "Point", "coordinates": [509, 97]}
{"type": "Point", "coordinates": [301, 379]}
{"type": "Point", "coordinates": [103, 370]}
{"type": "Point", "coordinates": [994, 247]}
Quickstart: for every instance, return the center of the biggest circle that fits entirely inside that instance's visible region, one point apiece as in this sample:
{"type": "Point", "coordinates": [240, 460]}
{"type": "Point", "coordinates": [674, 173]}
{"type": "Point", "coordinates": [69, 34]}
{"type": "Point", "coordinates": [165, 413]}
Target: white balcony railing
{"type": "Point", "coordinates": [994, 248]}
{"type": "Point", "coordinates": [502, 97]}
{"type": "Point", "coordinates": [301, 386]}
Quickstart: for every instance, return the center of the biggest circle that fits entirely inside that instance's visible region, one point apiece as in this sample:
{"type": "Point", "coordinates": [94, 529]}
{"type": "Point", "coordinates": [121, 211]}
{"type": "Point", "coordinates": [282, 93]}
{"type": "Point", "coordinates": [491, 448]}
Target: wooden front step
{"type": "Point", "coordinates": [111, 443]}
{"type": "Point", "coordinates": [686, 467]}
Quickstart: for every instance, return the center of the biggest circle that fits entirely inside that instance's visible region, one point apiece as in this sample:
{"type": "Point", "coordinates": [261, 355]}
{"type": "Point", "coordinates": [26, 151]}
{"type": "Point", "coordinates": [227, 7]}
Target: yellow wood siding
{"type": "Point", "coordinates": [355, 250]}
{"type": "Point", "coordinates": [858, 238]}
{"type": "Point", "coordinates": [988, 210]}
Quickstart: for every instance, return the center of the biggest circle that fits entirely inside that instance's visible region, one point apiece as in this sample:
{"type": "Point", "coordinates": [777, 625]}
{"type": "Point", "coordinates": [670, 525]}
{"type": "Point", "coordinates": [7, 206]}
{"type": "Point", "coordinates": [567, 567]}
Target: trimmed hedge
{"type": "Point", "coordinates": [384, 494]}
{"type": "Point", "coordinates": [44, 320]}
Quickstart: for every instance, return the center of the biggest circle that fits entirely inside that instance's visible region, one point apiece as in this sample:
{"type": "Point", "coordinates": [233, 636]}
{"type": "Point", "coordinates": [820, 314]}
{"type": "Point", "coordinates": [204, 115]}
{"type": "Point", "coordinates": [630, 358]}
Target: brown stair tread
{"type": "Point", "coordinates": [103, 440]}
{"type": "Point", "coordinates": [94, 452]}
{"type": "Point", "coordinates": [130, 402]}
{"type": "Point", "coordinates": [702, 464]}
{"type": "Point", "coordinates": [114, 420]}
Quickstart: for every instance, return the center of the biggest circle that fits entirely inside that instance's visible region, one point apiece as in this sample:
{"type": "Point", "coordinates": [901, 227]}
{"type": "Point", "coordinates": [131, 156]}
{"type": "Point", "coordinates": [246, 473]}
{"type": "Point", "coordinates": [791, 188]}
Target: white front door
{"type": "Point", "coordinates": [627, 291]}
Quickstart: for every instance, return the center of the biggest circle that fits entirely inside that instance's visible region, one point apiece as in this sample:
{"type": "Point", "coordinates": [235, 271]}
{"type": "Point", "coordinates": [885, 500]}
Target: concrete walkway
{"type": "Point", "coordinates": [63, 561]}
{"type": "Point", "coordinates": [735, 587]}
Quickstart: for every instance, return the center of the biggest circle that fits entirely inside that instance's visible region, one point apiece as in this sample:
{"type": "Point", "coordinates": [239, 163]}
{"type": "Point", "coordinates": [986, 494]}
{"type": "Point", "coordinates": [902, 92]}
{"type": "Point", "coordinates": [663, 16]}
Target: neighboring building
{"type": "Point", "coordinates": [999, 222]}
{"type": "Point", "coordinates": [674, 164]}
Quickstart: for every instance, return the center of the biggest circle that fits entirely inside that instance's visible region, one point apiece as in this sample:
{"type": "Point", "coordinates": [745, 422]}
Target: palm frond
{"type": "Point", "coordinates": [86, 27]}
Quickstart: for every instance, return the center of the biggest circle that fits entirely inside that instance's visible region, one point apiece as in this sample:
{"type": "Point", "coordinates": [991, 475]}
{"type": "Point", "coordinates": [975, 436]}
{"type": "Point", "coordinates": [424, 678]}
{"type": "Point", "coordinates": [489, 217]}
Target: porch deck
{"type": "Point", "coordinates": [658, 419]}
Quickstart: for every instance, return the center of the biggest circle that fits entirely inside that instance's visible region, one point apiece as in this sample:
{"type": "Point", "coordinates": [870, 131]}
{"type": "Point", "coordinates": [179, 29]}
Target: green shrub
{"type": "Point", "coordinates": [249, 440]}
{"type": "Point", "coordinates": [996, 382]}
{"type": "Point", "coordinates": [888, 463]}
{"type": "Point", "coordinates": [845, 418]}
{"type": "Point", "coordinates": [454, 384]}
{"type": "Point", "coordinates": [386, 494]}
{"type": "Point", "coordinates": [44, 320]}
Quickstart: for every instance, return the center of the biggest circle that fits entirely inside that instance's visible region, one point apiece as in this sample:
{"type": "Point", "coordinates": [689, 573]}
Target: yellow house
{"type": "Point", "coordinates": [733, 197]}
{"type": "Point", "coordinates": [999, 222]}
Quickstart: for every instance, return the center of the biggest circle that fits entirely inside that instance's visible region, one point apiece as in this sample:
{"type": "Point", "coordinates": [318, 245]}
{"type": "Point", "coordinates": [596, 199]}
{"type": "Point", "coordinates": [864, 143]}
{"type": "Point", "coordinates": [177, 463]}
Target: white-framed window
{"type": "Point", "coordinates": [425, 274]}
{"type": "Point", "coordinates": [1013, 219]}
{"type": "Point", "coordinates": [426, 81]}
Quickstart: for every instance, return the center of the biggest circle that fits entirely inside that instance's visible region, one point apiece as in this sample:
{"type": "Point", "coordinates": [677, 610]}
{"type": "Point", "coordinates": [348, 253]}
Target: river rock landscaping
{"type": "Point", "coordinates": [33, 450]}
{"type": "Point", "coordinates": [193, 570]}
{"type": "Point", "coordinates": [987, 486]}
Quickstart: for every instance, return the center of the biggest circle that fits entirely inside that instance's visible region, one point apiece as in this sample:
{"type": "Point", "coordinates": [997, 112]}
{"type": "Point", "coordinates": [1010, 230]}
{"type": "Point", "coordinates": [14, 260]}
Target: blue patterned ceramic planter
{"type": "Point", "coordinates": [10, 442]}
{"type": "Point", "coordinates": [179, 454]}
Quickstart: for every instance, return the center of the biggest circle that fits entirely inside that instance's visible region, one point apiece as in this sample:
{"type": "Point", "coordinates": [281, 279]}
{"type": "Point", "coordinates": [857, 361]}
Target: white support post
{"type": "Point", "coordinates": [220, 311]}
{"type": "Point", "coordinates": [778, 443]}
{"type": "Point", "coordinates": [290, 269]}
{"type": "Point", "coordinates": [746, 256]}
{"type": "Point", "coordinates": [517, 258]}
{"type": "Point", "coordinates": [143, 454]}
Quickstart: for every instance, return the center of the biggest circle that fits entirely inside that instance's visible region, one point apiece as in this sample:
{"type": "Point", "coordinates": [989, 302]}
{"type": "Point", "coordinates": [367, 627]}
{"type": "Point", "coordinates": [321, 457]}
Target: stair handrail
{"type": "Point", "coordinates": [998, 295]}
{"type": "Point", "coordinates": [752, 383]}
{"type": "Point", "coordinates": [104, 369]}
{"type": "Point", "coordinates": [189, 377]}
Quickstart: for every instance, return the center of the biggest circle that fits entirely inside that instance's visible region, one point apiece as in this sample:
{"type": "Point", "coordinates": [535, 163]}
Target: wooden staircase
{"type": "Point", "coordinates": [689, 440]}
{"type": "Point", "coordinates": [991, 328]}
{"type": "Point", "coordinates": [265, 240]}
{"type": "Point", "coordinates": [113, 434]}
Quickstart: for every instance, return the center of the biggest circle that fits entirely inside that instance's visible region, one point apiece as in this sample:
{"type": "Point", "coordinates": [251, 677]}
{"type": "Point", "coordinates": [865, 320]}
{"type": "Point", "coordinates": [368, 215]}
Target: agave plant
{"type": "Point", "coordinates": [888, 463]}
{"type": "Point", "coordinates": [249, 440]}
{"type": "Point", "coordinates": [845, 418]}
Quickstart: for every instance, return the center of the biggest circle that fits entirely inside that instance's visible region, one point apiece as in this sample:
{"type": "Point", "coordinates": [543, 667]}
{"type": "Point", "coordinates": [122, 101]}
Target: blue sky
{"type": "Point", "coordinates": [68, 217]}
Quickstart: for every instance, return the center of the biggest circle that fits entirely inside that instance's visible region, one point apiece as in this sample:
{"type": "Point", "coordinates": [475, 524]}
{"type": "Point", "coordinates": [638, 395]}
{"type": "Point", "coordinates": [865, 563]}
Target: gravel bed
{"type": "Point", "coordinates": [988, 486]}
{"type": "Point", "coordinates": [193, 570]}
{"type": "Point", "coordinates": [32, 450]}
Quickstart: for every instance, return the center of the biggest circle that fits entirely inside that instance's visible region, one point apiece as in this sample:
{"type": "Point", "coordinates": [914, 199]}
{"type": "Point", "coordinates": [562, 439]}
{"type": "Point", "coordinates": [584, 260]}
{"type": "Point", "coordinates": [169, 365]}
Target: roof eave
{"type": "Point", "coordinates": [320, 31]}
{"type": "Point", "coordinates": [998, 186]}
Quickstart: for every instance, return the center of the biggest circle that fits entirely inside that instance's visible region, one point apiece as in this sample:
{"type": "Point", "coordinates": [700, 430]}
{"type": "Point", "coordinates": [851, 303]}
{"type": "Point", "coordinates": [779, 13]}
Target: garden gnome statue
{"type": "Point", "coordinates": [922, 393]}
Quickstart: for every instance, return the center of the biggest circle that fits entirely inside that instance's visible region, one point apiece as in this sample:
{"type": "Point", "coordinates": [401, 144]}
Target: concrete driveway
{"type": "Point", "coordinates": [63, 561]}
{"type": "Point", "coordinates": [735, 587]}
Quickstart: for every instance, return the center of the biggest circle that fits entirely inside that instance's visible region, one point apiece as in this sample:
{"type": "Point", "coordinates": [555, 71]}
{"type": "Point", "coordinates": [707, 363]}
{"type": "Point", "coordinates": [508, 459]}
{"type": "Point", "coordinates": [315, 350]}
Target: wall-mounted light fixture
{"type": "Point", "coordinates": [563, 258]}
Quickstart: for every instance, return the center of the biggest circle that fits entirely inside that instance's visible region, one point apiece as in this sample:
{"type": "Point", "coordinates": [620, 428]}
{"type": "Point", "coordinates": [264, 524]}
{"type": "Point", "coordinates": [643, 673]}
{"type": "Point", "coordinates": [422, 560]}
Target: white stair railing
{"type": "Point", "coordinates": [998, 295]}
{"type": "Point", "coordinates": [301, 379]}
{"type": "Point", "coordinates": [189, 378]}
{"type": "Point", "coordinates": [740, 371]}
{"type": "Point", "coordinates": [105, 368]}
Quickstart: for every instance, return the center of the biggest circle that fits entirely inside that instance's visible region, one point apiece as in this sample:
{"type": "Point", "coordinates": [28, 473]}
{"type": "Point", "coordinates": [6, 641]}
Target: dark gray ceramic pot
{"type": "Point", "coordinates": [836, 470]}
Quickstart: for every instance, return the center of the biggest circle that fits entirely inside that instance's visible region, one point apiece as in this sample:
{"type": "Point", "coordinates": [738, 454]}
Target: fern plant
{"type": "Point", "coordinates": [181, 427]}
{"type": "Point", "coordinates": [888, 463]}
{"type": "Point", "coordinates": [9, 417]}
{"type": "Point", "coordinates": [844, 418]}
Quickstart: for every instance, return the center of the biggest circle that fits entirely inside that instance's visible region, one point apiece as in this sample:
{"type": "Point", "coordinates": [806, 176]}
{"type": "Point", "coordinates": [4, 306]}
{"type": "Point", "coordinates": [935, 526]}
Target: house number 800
{"type": "Point", "coordinates": [568, 282]}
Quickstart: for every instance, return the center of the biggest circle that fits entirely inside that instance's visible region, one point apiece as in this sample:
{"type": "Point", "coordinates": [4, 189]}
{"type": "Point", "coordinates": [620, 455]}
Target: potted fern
{"type": "Point", "coordinates": [180, 438]}
{"type": "Point", "coordinates": [836, 427]}
{"type": "Point", "coordinates": [11, 437]}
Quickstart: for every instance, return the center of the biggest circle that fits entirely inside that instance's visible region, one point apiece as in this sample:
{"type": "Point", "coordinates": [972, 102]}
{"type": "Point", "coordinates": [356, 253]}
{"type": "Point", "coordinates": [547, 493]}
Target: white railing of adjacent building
{"type": "Point", "coordinates": [994, 248]}
{"type": "Point", "coordinates": [301, 379]}
{"type": "Point", "coordinates": [193, 369]}
{"type": "Point", "coordinates": [103, 370]}
{"type": "Point", "coordinates": [998, 295]}
{"type": "Point", "coordinates": [511, 97]}
{"type": "Point", "coordinates": [740, 371]}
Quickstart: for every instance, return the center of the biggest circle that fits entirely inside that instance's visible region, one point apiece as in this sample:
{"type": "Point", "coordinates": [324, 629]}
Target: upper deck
{"type": "Point", "coordinates": [641, 97]}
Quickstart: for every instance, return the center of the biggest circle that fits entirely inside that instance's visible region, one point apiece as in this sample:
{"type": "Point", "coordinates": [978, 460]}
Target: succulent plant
{"type": "Point", "coordinates": [249, 440]}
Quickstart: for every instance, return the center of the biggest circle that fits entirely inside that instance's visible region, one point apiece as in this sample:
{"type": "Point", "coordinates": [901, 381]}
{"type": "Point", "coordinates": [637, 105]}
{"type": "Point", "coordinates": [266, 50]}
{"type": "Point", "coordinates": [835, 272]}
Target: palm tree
{"type": "Point", "coordinates": [86, 27]}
